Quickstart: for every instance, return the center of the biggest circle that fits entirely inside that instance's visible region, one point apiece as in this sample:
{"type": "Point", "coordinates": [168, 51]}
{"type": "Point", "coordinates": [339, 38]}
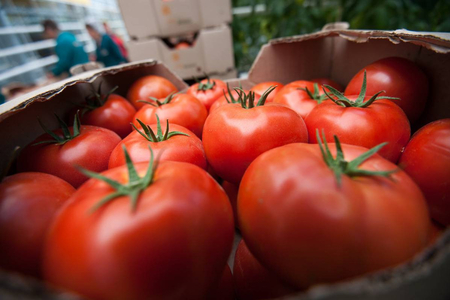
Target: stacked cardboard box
{"type": "Point", "coordinates": [155, 25]}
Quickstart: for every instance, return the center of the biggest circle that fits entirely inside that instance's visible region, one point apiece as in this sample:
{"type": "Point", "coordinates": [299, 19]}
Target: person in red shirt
{"type": "Point", "coordinates": [116, 40]}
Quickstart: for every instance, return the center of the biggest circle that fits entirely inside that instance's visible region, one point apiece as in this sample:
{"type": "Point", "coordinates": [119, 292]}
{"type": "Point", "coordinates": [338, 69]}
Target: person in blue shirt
{"type": "Point", "coordinates": [70, 52]}
{"type": "Point", "coordinates": [107, 51]}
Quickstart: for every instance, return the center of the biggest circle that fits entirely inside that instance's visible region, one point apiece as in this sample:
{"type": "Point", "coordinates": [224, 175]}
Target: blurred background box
{"type": "Point", "coordinates": [151, 18]}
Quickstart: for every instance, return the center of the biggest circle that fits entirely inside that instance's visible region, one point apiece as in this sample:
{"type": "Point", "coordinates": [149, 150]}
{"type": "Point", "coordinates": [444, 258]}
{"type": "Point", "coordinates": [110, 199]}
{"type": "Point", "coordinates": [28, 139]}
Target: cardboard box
{"type": "Point", "coordinates": [337, 54]}
{"type": "Point", "coordinates": [157, 18]}
{"type": "Point", "coordinates": [212, 53]}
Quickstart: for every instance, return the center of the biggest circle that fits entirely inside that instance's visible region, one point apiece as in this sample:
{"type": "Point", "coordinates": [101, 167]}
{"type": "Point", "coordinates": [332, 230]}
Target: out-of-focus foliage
{"type": "Point", "coordinates": [294, 17]}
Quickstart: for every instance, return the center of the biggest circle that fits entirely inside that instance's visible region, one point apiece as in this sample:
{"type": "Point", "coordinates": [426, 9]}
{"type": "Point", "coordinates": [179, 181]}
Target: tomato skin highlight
{"type": "Point", "coordinates": [233, 136]}
{"type": "Point", "coordinates": [149, 86]}
{"type": "Point", "coordinates": [175, 245]}
{"type": "Point", "coordinates": [427, 160]}
{"type": "Point", "coordinates": [308, 230]}
{"type": "Point", "coordinates": [382, 121]}
{"type": "Point", "coordinates": [184, 110]}
{"type": "Point", "coordinates": [399, 77]}
{"type": "Point", "coordinates": [28, 203]}
{"type": "Point", "coordinates": [90, 150]}
{"type": "Point", "coordinates": [116, 115]}
{"type": "Point", "coordinates": [208, 97]}
{"type": "Point", "coordinates": [177, 148]}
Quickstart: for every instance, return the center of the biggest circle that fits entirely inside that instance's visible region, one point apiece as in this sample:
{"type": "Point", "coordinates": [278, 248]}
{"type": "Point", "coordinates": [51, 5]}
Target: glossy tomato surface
{"type": "Point", "coordinates": [427, 160]}
{"type": "Point", "coordinates": [208, 96]}
{"type": "Point", "coordinates": [260, 88]}
{"type": "Point", "coordinates": [174, 245]}
{"type": "Point", "coordinates": [28, 203]}
{"type": "Point", "coordinates": [306, 228]}
{"type": "Point", "coordinates": [399, 77]}
{"type": "Point", "coordinates": [296, 99]}
{"type": "Point", "coordinates": [150, 86]}
{"type": "Point", "coordinates": [234, 136]}
{"type": "Point", "coordinates": [382, 121]}
{"type": "Point", "coordinates": [177, 148]}
{"type": "Point", "coordinates": [183, 109]}
{"type": "Point", "coordinates": [116, 114]}
{"type": "Point", "coordinates": [90, 150]}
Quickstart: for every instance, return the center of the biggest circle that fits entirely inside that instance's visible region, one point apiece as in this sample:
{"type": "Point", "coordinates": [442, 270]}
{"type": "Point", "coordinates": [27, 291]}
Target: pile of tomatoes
{"type": "Point", "coordinates": [140, 197]}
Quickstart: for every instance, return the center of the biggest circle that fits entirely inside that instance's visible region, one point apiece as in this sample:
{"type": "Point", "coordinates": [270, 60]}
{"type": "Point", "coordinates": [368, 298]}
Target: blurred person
{"type": "Point", "coordinates": [119, 42]}
{"type": "Point", "coordinates": [70, 52]}
{"type": "Point", "coordinates": [107, 51]}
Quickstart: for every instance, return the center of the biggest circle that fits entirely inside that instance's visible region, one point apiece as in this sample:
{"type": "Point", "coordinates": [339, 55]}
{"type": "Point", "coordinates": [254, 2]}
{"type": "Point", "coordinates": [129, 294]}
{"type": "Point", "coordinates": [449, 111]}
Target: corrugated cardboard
{"type": "Point", "coordinates": [212, 53]}
{"type": "Point", "coordinates": [157, 18]}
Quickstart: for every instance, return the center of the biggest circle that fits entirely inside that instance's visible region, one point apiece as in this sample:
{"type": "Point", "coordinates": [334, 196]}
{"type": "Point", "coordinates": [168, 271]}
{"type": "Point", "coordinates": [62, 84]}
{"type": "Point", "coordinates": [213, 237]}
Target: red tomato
{"type": "Point", "coordinates": [299, 100]}
{"type": "Point", "coordinates": [400, 78]}
{"type": "Point", "coordinates": [182, 45]}
{"type": "Point", "coordinates": [232, 191]}
{"type": "Point", "coordinates": [174, 244]}
{"type": "Point", "coordinates": [90, 149]}
{"type": "Point", "coordinates": [299, 222]}
{"type": "Point", "coordinates": [427, 160]}
{"type": "Point", "coordinates": [150, 86]}
{"type": "Point", "coordinates": [225, 290]}
{"type": "Point", "coordinates": [260, 88]}
{"type": "Point", "coordinates": [253, 281]}
{"type": "Point", "coordinates": [207, 91]}
{"type": "Point", "coordinates": [322, 81]}
{"type": "Point", "coordinates": [181, 109]}
{"type": "Point", "coordinates": [28, 203]}
{"type": "Point", "coordinates": [365, 124]}
{"type": "Point", "coordinates": [113, 112]}
{"type": "Point", "coordinates": [227, 99]}
{"type": "Point", "coordinates": [234, 136]}
{"type": "Point", "coordinates": [184, 147]}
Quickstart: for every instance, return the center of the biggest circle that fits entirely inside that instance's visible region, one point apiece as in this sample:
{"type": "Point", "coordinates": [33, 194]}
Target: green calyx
{"type": "Point", "coordinates": [157, 103]}
{"type": "Point", "coordinates": [350, 168]}
{"type": "Point", "coordinates": [315, 95]}
{"type": "Point", "coordinates": [149, 135]}
{"type": "Point", "coordinates": [209, 85]}
{"type": "Point", "coordinates": [248, 100]}
{"type": "Point", "coordinates": [67, 136]}
{"type": "Point", "coordinates": [96, 99]}
{"type": "Point", "coordinates": [359, 102]}
{"type": "Point", "coordinates": [132, 189]}
{"type": "Point", "coordinates": [231, 99]}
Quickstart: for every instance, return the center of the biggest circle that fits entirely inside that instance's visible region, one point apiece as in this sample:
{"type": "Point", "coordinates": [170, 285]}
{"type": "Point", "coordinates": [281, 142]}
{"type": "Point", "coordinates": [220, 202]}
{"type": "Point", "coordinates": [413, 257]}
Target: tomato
{"type": "Point", "coordinates": [362, 122]}
{"type": "Point", "coordinates": [312, 220]}
{"type": "Point", "coordinates": [88, 147]}
{"type": "Point", "coordinates": [181, 109]}
{"type": "Point", "coordinates": [180, 144]}
{"type": "Point", "coordinates": [322, 81]}
{"type": "Point", "coordinates": [28, 204]}
{"type": "Point", "coordinates": [300, 100]}
{"type": "Point", "coordinates": [427, 160]}
{"type": "Point", "coordinates": [171, 242]}
{"type": "Point", "coordinates": [260, 88]}
{"type": "Point", "coordinates": [225, 289]}
{"type": "Point", "coordinates": [208, 91]}
{"type": "Point", "coordinates": [109, 111]}
{"type": "Point", "coordinates": [150, 86]}
{"type": "Point", "coordinates": [234, 136]}
{"type": "Point", "coordinates": [232, 191]}
{"type": "Point", "coordinates": [253, 281]}
{"type": "Point", "coordinates": [229, 97]}
{"type": "Point", "coordinates": [182, 45]}
{"type": "Point", "coordinates": [399, 77]}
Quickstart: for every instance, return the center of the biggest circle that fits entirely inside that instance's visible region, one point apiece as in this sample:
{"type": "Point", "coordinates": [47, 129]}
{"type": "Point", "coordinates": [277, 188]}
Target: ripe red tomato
{"type": "Point", "coordinates": [427, 160]}
{"type": "Point", "coordinates": [234, 136]}
{"type": "Point", "coordinates": [232, 191]}
{"type": "Point", "coordinates": [299, 100]}
{"type": "Point", "coordinates": [253, 281]}
{"type": "Point", "coordinates": [399, 77]}
{"type": "Point", "coordinates": [378, 122]}
{"type": "Point", "coordinates": [150, 86]}
{"type": "Point", "coordinates": [260, 88]}
{"type": "Point", "coordinates": [28, 204]}
{"type": "Point", "coordinates": [327, 81]}
{"type": "Point", "coordinates": [182, 45]}
{"type": "Point", "coordinates": [227, 99]}
{"type": "Point", "coordinates": [173, 244]}
{"type": "Point", "coordinates": [305, 226]}
{"type": "Point", "coordinates": [181, 109]}
{"type": "Point", "coordinates": [183, 146]}
{"type": "Point", "coordinates": [208, 91]}
{"type": "Point", "coordinates": [225, 289]}
{"type": "Point", "coordinates": [90, 149]}
{"type": "Point", "coordinates": [109, 111]}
